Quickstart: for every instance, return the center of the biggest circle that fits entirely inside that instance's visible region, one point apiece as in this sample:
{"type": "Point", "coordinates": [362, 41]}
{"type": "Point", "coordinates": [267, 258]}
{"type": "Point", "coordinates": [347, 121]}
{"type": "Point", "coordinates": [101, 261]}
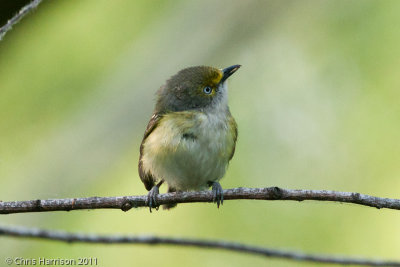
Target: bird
{"type": "Point", "coordinates": [191, 136]}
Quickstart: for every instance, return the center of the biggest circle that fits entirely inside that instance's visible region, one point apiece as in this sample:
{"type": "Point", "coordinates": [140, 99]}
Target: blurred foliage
{"type": "Point", "coordinates": [316, 101]}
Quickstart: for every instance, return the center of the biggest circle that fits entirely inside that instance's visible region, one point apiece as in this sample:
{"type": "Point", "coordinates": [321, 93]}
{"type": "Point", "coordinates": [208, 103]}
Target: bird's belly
{"type": "Point", "coordinates": [193, 164]}
{"type": "Point", "coordinates": [188, 160]}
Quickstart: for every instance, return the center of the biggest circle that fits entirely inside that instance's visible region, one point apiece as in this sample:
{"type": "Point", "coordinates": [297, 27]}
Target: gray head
{"type": "Point", "coordinates": [197, 87]}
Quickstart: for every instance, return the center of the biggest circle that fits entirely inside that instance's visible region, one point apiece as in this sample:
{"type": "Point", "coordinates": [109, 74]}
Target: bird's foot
{"type": "Point", "coordinates": [218, 193]}
{"type": "Point", "coordinates": [151, 199]}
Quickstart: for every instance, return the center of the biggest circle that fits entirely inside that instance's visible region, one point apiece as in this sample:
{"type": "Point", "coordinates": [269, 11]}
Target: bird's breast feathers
{"type": "Point", "coordinates": [187, 149]}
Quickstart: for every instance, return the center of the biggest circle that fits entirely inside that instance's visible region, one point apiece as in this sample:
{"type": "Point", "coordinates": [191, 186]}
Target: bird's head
{"type": "Point", "coordinates": [197, 87]}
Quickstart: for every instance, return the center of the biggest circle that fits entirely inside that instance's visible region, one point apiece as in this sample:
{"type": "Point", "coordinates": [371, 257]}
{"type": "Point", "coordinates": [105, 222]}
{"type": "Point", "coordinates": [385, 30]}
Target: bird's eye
{"type": "Point", "coordinates": [207, 90]}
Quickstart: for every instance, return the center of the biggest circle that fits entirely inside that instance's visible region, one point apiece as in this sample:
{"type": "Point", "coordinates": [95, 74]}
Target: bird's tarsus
{"type": "Point", "coordinates": [151, 200]}
{"type": "Point", "coordinates": [218, 193]}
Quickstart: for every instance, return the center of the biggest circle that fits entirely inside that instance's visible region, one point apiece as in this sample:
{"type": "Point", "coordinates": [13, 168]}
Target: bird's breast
{"type": "Point", "coordinates": [188, 148]}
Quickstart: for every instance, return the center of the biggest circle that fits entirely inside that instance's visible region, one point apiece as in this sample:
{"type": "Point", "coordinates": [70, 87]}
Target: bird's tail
{"type": "Point", "coordinates": [170, 206]}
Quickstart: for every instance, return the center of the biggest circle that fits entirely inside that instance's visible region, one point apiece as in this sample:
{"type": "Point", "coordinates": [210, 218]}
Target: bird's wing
{"type": "Point", "coordinates": [147, 178]}
{"type": "Point", "coordinates": [234, 131]}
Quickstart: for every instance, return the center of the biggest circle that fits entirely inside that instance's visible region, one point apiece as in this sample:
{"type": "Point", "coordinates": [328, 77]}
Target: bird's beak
{"type": "Point", "coordinates": [228, 72]}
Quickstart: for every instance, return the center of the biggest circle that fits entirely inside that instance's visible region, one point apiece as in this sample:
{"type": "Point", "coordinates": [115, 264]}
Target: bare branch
{"type": "Point", "coordinates": [14, 20]}
{"type": "Point", "coordinates": [155, 240]}
{"type": "Point", "coordinates": [128, 202]}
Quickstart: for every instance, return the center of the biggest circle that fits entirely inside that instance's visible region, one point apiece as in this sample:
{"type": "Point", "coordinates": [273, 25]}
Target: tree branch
{"type": "Point", "coordinates": [128, 202]}
{"type": "Point", "coordinates": [155, 240]}
{"type": "Point", "coordinates": [14, 20]}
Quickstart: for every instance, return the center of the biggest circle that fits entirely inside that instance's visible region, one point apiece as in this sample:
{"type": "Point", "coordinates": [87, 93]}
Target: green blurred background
{"type": "Point", "coordinates": [316, 101]}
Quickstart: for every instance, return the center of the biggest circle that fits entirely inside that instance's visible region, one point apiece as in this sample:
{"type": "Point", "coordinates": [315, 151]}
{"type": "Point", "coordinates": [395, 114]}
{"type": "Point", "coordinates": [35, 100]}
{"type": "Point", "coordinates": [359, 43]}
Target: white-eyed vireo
{"type": "Point", "coordinates": [191, 136]}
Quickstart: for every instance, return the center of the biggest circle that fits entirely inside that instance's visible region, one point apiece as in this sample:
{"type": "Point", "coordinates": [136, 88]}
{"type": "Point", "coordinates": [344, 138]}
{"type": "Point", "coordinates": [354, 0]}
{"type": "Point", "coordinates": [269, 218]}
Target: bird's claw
{"type": "Point", "coordinates": [218, 193]}
{"type": "Point", "coordinates": [151, 199]}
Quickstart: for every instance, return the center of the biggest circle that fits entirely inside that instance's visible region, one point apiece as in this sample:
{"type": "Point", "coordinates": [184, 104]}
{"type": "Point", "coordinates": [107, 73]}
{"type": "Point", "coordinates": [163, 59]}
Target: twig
{"type": "Point", "coordinates": [14, 20]}
{"type": "Point", "coordinates": [155, 240]}
{"type": "Point", "coordinates": [128, 202]}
